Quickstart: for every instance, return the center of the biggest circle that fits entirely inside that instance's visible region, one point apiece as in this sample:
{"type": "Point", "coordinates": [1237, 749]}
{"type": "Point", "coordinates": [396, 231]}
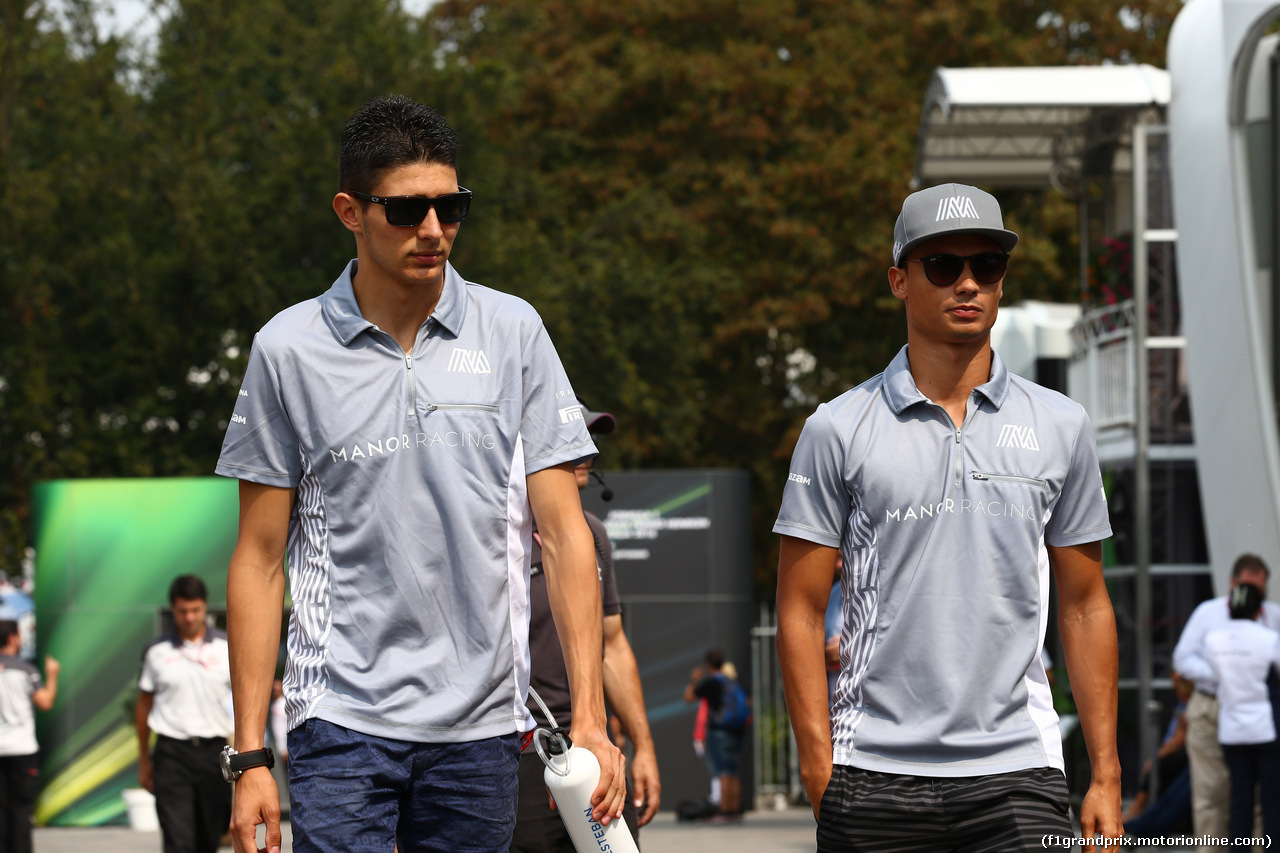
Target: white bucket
{"type": "Point", "coordinates": [141, 805]}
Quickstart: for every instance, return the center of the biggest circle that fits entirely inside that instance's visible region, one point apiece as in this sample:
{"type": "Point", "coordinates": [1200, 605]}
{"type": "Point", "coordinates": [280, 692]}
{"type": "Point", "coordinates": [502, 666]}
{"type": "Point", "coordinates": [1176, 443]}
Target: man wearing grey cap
{"type": "Point", "coordinates": [952, 489]}
{"type": "Point", "coordinates": [538, 828]}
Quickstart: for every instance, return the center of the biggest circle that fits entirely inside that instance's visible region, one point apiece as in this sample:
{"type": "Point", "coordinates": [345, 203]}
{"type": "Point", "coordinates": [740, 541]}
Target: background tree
{"type": "Point", "coordinates": [697, 196]}
{"type": "Point", "coordinates": [701, 195]}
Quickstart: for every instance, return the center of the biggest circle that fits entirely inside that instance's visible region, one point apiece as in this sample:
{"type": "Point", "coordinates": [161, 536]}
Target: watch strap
{"type": "Point", "coordinates": [242, 761]}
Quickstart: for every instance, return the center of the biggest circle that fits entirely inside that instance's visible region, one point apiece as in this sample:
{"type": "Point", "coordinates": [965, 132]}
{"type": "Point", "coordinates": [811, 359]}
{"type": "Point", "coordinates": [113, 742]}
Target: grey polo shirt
{"type": "Point", "coordinates": [946, 573]}
{"type": "Point", "coordinates": [410, 538]}
{"type": "Point", "coordinates": [19, 679]}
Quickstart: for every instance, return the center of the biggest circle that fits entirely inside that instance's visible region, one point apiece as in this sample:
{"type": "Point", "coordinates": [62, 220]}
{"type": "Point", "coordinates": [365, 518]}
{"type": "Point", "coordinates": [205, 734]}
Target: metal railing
{"type": "Point", "coordinates": [1101, 370]}
{"type": "Point", "coordinates": [777, 764]}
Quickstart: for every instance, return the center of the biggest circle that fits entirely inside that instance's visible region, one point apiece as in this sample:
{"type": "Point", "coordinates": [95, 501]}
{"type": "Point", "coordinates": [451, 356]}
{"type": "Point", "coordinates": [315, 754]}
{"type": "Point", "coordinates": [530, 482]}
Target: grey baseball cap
{"type": "Point", "coordinates": [598, 423]}
{"type": "Point", "coordinates": [948, 209]}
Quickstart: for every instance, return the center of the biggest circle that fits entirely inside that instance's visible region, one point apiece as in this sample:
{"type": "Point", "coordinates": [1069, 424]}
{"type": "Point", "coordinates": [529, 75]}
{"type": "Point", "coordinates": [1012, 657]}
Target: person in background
{"type": "Point", "coordinates": [184, 694]}
{"type": "Point", "coordinates": [700, 718]}
{"type": "Point", "coordinates": [1240, 656]}
{"type": "Point", "coordinates": [279, 723]}
{"type": "Point", "coordinates": [832, 628]}
{"type": "Point", "coordinates": [1172, 807]}
{"type": "Point", "coordinates": [539, 829]}
{"type": "Point", "coordinates": [717, 683]}
{"type": "Point", "coordinates": [1210, 779]}
{"type": "Point", "coordinates": [21, 692]}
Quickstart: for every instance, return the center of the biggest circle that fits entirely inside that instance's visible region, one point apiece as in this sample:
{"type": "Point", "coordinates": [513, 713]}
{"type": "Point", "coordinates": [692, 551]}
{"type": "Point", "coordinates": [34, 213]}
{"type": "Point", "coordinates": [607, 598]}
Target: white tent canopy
{"type": "Point", "coordinates": [1030, 127]}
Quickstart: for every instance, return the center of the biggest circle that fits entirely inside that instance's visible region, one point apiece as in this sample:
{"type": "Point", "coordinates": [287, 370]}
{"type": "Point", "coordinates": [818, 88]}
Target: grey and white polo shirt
{"type": "Point", "coordinates": [18, 680]}
{"type": "Point", "coordinates": [946, 574]}
{"type": "Point", "coordinates": [410, 537]}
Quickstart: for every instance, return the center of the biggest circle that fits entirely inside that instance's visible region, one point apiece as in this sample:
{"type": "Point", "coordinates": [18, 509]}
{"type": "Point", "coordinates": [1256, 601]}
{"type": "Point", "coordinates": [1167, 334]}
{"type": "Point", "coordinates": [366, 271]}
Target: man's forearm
{"type": "Point", "coordinates": [140, 713]}
{"type": "Point", "coordinates": [255, 599]}
{"type": "Point", "coordinates": [573, 588]}
{"type": "Point", "coordinates": [805, 574]}
{"type": "Point", "coordinates": [623, 691]}
{"type": "Point", "coordinates": [804, 680]}
{"type": "Point", "coordinates": [1089, 644]}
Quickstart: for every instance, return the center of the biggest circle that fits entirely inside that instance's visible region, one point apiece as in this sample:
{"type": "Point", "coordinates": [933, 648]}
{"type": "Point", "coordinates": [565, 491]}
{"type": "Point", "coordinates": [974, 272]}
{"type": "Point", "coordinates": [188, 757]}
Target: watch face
{"type": "Point", "coordinates": [224, 759]}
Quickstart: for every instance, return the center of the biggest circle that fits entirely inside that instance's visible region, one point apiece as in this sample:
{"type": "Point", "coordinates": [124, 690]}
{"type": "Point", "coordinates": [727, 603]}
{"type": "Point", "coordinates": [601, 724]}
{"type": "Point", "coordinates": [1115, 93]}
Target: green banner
{"type": "Point", "coordinates": [106, 551]}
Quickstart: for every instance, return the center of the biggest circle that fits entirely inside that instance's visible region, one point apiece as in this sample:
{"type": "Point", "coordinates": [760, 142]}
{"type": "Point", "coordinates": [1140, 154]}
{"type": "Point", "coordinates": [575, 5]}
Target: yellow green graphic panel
{"type": "Point", "coordinates": [106, 551]}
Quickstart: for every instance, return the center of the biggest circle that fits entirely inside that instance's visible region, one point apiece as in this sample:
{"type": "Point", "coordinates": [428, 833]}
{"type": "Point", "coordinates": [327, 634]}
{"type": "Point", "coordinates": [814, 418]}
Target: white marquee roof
{"type": "Point", "coordinates": [1007, 127]}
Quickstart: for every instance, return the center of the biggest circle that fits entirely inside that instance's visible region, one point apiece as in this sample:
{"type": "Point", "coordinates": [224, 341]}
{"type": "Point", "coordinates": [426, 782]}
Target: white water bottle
{"type": "Point", "coordinates": [572, 777]}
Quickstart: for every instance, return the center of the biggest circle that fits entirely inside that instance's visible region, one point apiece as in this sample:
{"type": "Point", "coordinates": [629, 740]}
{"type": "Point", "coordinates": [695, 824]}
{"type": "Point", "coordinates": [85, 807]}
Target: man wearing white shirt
{"type": "Point", "coordinates": [1240, 656]}
{"type": "Point", "coordinates": [1210, 781]}
{"type": "Point", "coordinates": [184, 694]}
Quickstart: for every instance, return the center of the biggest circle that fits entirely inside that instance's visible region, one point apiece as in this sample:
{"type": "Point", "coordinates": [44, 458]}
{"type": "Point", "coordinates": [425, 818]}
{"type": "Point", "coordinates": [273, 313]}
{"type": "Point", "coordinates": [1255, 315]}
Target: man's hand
{"type": "Point", "coordinates": [611, 792]}
{"type": "Point", "coordinates": [1100, 811]}
{"type": "Point", "coordinates": [648, 789]}
{"type": "Point", "coordinates": [51, 668]}
{"type": "Point", "coordinates": [256, 800]}
{"type": "Point", "coordinates": [815, 775]}
{"type": "Point", "coordinates": [145, 778]}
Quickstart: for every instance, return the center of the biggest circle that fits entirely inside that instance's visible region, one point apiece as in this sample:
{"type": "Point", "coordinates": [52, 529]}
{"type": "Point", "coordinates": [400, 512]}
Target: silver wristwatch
{"type": "Point", "coordinates": [234, 763]}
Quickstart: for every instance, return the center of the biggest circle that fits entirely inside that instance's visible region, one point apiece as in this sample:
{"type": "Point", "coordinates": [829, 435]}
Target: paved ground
{"type": "Point", "coordinates": [791, 831]}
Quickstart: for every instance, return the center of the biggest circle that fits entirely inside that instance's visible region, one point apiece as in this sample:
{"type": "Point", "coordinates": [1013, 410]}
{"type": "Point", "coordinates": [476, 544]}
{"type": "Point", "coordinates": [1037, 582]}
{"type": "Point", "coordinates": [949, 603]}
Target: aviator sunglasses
{"type": "Point", "coordinates": [943, 270]}
{"type": "Point", "coordinates": [408, 211]}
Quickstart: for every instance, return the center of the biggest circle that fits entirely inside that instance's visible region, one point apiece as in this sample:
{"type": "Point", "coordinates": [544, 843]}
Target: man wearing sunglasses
{"type": "Point", "coordinates": [953, 490]}
{"type": "Point", "coordinates": [393, 438]}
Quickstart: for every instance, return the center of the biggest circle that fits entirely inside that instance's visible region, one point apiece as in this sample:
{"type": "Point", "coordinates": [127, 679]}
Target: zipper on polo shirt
{"type": "Point", "coordinates": [479, 407]}
{"type": "Point", "coordinates": [413, 387]}
{"type": "Point", "coordinates": [959, 457]}
{"type": "Point", "coordinates": [1010, 478]}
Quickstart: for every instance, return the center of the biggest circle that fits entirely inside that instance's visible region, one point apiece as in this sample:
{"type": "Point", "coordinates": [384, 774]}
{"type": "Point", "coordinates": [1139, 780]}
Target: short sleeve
{"type": "Point", "coordinates": [146, 678]}
{"type": "Point", "coordinates": [552, 430]}
{"type": "Point", "coordinates": [1080, 513]}
{"type": "Point", "coordinates": [815, 500]}
{"type": "Point", "coordinates": [261, 445]}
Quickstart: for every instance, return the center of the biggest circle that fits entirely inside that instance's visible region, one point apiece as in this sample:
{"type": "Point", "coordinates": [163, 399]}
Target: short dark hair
{"type": "Point", "coordinates": [1245, 600]}
{"type": "Point", "coordinates": [714, 658]}
{"type": "Point", "coordinates": [391, 131]}
{"type": "Point", "coordinates": [1247, 562]}
{"type": "Point", "coordinates": [188, 587]}
{"type": "Point", "coordinates": [8, 627]}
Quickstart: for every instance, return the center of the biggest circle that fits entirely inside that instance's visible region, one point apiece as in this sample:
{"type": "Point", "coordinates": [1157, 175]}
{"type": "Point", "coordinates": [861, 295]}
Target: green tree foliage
{"type": "Point", "coordinates": [701, 195]}
{"type": "Point", "coordinates": [149, 230]}
{"type": "Point", "coordinates": [64, 142]}
{"type": "Point", "coordinates": [698, 197]}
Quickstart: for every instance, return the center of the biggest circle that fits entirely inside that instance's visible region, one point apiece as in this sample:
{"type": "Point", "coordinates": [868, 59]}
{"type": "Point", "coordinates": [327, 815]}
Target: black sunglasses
{"type": "Point", "coordinates": [943, 270]}
{"type": "Point", "coordinates": [408, 211]}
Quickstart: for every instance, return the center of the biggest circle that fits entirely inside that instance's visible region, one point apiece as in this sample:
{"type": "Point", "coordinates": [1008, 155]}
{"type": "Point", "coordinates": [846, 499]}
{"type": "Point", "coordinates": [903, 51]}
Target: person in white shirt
{"type": "Point", "coordinates": [21, 692]}
{"type": "Point", "coordinates": [183, 696]}
{"type": "Point", "coordinates": [1210, 781]}
{"type": "Point", "coordinates": [1240, 656]}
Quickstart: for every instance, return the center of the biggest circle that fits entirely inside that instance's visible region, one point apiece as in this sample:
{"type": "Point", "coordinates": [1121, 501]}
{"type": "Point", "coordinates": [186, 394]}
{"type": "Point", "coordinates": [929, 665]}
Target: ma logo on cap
{"type": "Point", "coordinates": [957, 207]}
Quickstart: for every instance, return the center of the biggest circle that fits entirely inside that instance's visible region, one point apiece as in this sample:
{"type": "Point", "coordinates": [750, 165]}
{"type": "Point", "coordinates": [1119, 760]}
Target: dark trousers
{"type": "Point", "coordinates": [193, 802]}
{"type": "Point", "coordinates": [867, 812]}
{"type": "Point", "coordinates": [1170, 814]}
{"type": "Point", "coordinates": [1254, 768]}
{"type": "Point", "coordinates": [358, 793]}
{"type": "Point", "coordinates": [19, 785]}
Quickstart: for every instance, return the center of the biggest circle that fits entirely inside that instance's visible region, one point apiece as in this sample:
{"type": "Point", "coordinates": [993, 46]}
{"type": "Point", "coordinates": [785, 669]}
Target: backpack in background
{"type": "Point", "coordinates": [735, 710]}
